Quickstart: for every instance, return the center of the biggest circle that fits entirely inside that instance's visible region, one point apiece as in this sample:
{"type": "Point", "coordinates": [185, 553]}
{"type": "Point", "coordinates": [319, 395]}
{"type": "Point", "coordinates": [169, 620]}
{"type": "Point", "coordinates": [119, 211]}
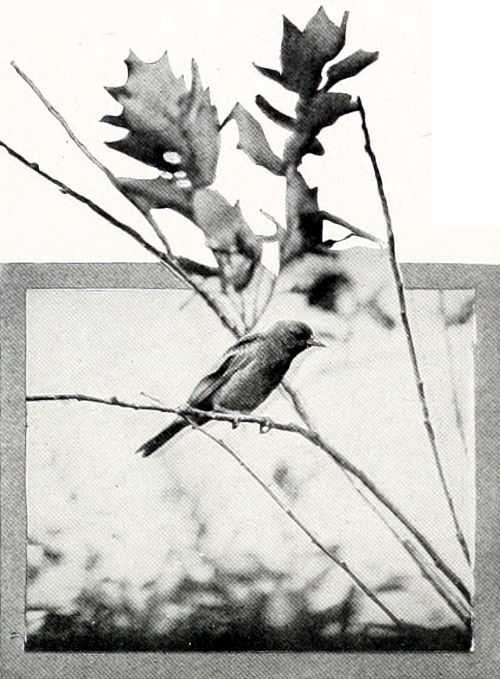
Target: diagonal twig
{"type": "Point", "coordinates": [298, 522]}
{"type": "Point", "coordinates": [164, 258]}
{"type": "Point", "coordinates": [86, 151]}
{"type": "Point", "coordinates": [265, 424]}
{"type": "Point", "coordinates": [454, 604]}
{"type": "Point", "coordinates": [408, 333]}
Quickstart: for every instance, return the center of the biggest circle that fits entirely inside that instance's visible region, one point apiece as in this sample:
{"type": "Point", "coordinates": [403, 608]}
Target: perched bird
{"type": "Point", "coordinates": [244, 377]}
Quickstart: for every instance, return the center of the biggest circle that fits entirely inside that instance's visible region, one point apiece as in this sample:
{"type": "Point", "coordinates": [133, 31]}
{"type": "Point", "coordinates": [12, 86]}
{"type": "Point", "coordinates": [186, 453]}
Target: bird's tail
{"type": "Point", "coordinates": [165, 435]}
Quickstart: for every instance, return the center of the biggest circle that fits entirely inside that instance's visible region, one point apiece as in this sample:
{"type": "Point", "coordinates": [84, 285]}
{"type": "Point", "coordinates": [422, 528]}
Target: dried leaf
{"type": "Point", "coordinates": [253, 142]}
{"type": "Point", "coordinates": [150, 100]}
{"type": "Point", "coordinates": [235, 246]}
{"type": "Point", "coordinates": [349, 67]}
{"type": "Point", "coordinates": [324, 109]}
{"type": "Point", "coordinates": [163, 118]}
{"type": "Point", "coordinates": [271, 73]}
{"type": "Point", "coordinates": [200, 125]}
{"type": "Point", "coordinates": [304, 54]}
{"type": "Point", "coordinates": [150, 194]}
{"type": "Point", "coordinates": [324, 38]}
{"type": "Point", "coordinates": [273, 113]}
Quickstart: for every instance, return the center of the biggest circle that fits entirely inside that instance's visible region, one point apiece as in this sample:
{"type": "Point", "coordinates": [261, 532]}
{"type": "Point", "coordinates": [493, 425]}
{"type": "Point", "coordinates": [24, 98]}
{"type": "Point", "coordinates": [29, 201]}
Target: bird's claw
{"type": "Point", "coordinates": [236, 421]}
{"type": "Point", "coordinates": [265, 426]}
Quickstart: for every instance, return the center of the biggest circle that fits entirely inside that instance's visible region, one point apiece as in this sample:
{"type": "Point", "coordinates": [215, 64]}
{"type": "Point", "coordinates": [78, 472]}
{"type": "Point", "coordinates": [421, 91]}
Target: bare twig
{"type": "Point", "coordinates": [266, 424]}
{"type": "Point", "coordinates": [86, 151]}
{"type": "Point", "coordinates": [455, 605]}
{"type": "Point", "coordinates": [164, 258]}
{"type": "Point", "coordinates": [453, 602]}
{"type": "Point", "coordinates": [407, 329]}
{"type": "Point", "coordinates": [298, 522]}
{"type": "Point", "coordinates": [64, 188]}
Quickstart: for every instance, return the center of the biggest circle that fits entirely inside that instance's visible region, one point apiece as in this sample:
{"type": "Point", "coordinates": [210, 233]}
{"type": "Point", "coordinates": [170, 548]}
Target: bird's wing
{"type": "Point", "coordinates": [234, 359]}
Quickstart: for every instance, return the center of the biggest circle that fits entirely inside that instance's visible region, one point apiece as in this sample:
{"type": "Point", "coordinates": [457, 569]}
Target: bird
{"type": "Point", "coordinates": [244, 377]}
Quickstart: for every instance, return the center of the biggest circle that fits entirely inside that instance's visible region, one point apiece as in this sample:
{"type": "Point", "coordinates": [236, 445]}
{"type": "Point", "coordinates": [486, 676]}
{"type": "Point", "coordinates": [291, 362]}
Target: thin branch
{"type": "Point", "coordinates": [62, 122]}
{"type": "Point", "coordinates": [456, 606]}
{"type": "Point", "coordinates": [159, 233]}
{"type": "Point", "coordinates": [265, 424]}
{"type": "Point", "coordinates": [86, 151]}
{"type": "Point", "coordinates": [64, 188]}
{"type": "Point", "coordinates": [426, 569]}
{"type": "Point", "coordinates": [356, 231]}
{"type": "Point", "coordinates": [164, 258]}
{"type": "Point", "coordinates": [454, 603]}
{"type": "Point", "coordinates": [407, 329]}
{"type": "Point", "coordinates": [314, 539]}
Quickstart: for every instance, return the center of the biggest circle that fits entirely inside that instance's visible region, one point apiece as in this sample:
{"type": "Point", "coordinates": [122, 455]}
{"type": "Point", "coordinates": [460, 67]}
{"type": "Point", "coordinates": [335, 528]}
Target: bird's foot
{"type": "Point", "coordinates": [236, 421]}
{"type": "Point", "coordinates": [265, 425]}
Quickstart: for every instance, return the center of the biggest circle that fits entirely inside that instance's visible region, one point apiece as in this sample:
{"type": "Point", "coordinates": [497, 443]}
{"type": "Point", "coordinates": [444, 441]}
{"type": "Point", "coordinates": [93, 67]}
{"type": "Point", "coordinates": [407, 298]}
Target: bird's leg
{"type": "Point", "coordinates": [234, 414]}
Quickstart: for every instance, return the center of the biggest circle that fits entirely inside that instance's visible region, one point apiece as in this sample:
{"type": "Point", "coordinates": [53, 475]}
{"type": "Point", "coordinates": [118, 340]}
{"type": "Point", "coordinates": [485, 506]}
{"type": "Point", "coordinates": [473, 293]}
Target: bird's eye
{"type": "Point", "coordinates": [301, 333]}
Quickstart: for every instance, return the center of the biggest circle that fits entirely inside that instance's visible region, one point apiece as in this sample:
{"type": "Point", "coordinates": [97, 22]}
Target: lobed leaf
{"type": "Point", "coordinates": [151, 111]}
{"type": "Point", "coordinates": [235, 246]}
{"type": "Point", "coordinates": [276, 116]}
{"type": "Point", "coordinates": [253, 142]}
{"type": "Point", "coordinates": [150, 194]}
{"type": "Point", "coordinates": [324, 109]}
{"type": "Point", "coordinates": [349, 67]}
{"type": "Point", "coordinates": [304, 54]}
{"type": "Point", "coordinates": [200, 125]}
{"type": "Point", "coordinates": [164, 118]}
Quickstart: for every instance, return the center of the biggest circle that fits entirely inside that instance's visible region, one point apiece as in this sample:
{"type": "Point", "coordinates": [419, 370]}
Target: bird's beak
{"type": "Point", "coordinates": [313, 342]}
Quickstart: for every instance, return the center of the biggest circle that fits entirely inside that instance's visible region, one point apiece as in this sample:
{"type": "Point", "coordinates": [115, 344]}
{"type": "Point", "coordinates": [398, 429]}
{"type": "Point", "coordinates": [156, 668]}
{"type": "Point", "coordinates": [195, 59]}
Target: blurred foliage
{"type": "Point", "coordinates": [229, 612]}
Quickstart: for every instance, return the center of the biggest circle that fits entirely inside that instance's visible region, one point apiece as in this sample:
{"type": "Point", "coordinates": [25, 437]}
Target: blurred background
{"type": "Point", "coordinates": [183, 550]}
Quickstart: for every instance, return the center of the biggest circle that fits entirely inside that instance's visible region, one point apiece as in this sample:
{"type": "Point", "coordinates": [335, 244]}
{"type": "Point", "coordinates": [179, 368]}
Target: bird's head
{"type": "Point", "coordinates": [294, 336]}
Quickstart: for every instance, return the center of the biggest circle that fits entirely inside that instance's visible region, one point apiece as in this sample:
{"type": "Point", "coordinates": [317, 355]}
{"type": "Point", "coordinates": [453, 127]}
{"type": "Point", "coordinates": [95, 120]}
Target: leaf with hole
{"type": "Point", "coordinates": [154, 194]}
{"type": "Point", "coordinates": [169, 127]}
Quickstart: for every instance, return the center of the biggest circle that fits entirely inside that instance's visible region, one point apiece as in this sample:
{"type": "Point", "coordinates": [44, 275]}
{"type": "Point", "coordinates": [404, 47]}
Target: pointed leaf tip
{"type": "Point", "coordinates": [253, 142]}
{"type": "Point", "coordinates": [117, 121]}
{"type": "Point", "coordinates": [132, 60]}
{"type": "Point", "coordinates": [270, 73]}
{"type": "Point", "coordinates": [276, 116]}
{"type": "Point", "coordinates": [235, 246]}
{"type": "Point", "coordinates": [116, 92]}
{"type": "Point", "coordinates": [196, 84]}
{"type": "Point", "coordinates": [349, 67]}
